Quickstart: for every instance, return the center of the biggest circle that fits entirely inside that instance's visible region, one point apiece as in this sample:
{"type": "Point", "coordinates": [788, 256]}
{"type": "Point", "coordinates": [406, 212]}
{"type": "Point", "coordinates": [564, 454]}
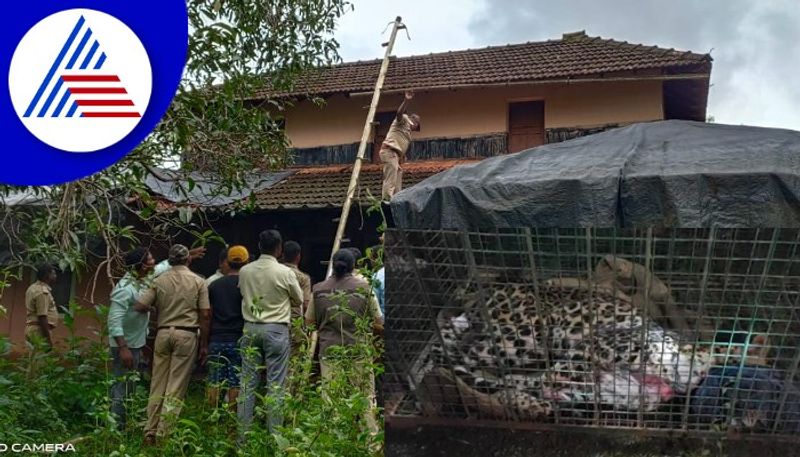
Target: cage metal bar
{"type": "Point", "coordinates": [703, 285]}
{"type": "Point", "coordinates": [593, 304]}
{"type": "Point", "coordinates": [545, 324]}
{"type": "Point", "coordinates": [746, 348]}
{"type": "Point", "coordinates": [473, 273]}
{"type": "Point", "coordinates": [433, 315]}
{"type": "Point", "coordinates": [792, 376]}
{"type": "Point", "coordinates": [713, 273]}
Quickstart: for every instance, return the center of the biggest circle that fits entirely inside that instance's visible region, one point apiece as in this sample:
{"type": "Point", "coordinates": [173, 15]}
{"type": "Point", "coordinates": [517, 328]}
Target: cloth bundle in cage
{"type": "Point", "coordinates": [753, 397]}
{"type": "Point", "coordinates": [517, 350]}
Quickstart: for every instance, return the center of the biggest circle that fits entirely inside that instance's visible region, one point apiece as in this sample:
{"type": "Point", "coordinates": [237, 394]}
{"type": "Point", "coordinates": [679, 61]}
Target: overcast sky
{"type": "Point", "coordinates": [755, 43]}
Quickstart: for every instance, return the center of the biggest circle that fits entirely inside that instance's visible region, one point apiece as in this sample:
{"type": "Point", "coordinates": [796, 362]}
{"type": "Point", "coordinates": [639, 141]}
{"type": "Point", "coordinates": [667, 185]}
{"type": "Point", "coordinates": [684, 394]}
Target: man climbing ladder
{"type": "Point", "coordinates": [394, 147]}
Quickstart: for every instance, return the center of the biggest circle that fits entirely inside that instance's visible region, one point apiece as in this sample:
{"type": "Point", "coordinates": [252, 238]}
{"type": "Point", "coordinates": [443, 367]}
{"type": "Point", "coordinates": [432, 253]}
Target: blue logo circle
{"type": "Point", "coordinates": [87, 82]}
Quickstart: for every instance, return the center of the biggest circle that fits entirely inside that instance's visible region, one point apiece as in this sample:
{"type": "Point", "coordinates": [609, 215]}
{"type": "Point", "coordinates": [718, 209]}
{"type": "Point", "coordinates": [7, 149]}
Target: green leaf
{"type": "Point", "coordinates": [282, 442]}
{"type": "Point", "coordinates": [185, 214]}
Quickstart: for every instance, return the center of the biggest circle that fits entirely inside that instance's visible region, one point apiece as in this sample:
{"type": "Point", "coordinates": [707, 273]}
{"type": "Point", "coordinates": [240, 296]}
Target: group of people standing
{"type": "Point", "coordinates": [239, 321]}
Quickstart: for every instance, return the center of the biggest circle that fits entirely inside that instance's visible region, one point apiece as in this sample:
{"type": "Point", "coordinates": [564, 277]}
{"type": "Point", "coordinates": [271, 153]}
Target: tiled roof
{"type": "Point", "coordinates": [326, 187]}
{"type": "Point", "coordinates": [574, 56]}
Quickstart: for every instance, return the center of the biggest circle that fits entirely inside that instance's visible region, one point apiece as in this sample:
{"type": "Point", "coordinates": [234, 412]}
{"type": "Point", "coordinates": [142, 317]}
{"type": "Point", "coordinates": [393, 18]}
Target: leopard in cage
{"type": "Point", "coordinates": [572, 346]}
{"type": "Point", "coordinates": [576, 345]}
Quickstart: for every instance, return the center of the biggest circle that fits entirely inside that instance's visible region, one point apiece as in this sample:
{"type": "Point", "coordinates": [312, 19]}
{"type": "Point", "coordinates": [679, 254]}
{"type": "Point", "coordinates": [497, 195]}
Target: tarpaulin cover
{"type": "Point", "coordinates": [666, 174]}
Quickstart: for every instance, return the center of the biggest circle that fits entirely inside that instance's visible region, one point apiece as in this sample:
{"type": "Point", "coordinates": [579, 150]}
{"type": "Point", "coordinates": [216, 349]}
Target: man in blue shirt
{"type": "Point", "coordinates": [127, 328]}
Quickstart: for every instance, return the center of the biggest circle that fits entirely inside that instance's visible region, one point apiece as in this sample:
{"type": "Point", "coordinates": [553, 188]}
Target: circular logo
{"type": "Point", "coordinates": [88, 81]}
{"type": "Point", "coordinates": [80, 80]}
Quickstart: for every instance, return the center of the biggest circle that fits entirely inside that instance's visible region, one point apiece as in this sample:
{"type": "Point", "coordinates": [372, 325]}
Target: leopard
{"type": "Point", "coordinates": [532, 347]}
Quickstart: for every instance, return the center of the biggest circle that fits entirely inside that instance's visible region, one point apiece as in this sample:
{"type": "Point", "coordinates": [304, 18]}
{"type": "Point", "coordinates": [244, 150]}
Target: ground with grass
{"type": "Point", "coordinates": [60, 397]}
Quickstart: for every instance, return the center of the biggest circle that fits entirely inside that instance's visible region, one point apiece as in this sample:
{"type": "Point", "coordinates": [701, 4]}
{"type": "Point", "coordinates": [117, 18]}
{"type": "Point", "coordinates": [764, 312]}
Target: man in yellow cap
{"type": "Point", "coordinates": [224, 358]}
{"type": "Point", "coordinates": [181, 299]}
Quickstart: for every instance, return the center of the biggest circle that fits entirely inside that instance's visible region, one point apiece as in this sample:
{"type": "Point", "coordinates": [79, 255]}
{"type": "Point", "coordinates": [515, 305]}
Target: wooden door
{"type": "Point", "coordinates": [383, 122]}
{"type": "Point", "coordinates": [525, 125]}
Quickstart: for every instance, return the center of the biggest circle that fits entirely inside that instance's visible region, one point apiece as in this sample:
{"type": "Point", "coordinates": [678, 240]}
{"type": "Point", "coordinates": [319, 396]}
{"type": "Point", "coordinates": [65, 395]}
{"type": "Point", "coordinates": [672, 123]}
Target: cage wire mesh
{"type": "Point", "coordinates": [679, 329]}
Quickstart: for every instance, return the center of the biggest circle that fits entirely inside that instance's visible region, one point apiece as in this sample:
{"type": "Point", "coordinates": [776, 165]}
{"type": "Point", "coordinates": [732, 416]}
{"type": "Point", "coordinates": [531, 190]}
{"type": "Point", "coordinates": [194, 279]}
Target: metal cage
{"type": "Point", "coordinates": [692, 330]}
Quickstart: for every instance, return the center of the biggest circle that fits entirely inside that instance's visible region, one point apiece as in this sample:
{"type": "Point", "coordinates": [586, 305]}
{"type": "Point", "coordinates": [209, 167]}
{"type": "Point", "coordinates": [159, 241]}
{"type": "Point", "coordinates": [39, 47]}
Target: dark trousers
{"type": "Point", "coordinates": [124, 385]}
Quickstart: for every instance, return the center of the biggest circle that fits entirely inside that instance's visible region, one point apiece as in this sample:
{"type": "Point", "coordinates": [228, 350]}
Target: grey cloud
{"type": "Point", "coordinates": [756, 44]}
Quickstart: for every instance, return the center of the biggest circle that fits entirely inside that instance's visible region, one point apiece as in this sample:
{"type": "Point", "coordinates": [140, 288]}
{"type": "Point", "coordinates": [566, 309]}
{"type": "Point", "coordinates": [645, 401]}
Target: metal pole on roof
{"type": "Point", "coordinates": [362, 147]}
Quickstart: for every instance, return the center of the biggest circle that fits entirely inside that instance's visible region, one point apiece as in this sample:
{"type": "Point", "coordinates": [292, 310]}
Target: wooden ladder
{"type": "Point", "coordinates": [362, 147]}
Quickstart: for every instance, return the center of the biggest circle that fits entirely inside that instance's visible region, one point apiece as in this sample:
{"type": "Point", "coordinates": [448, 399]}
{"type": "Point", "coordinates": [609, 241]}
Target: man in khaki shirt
{"type": "Point", "coordinates": [268, 291]}
{"type": "Point", "coordinates": [181, 299]}
{"type": "Point", "coordinates": [291, 258]}
{"type": "Point", "coordinates": [42, 314]}
{"type": "Point", "coordinates": [394, 147]}
{"type": "Point", "coordinates": [338, 328]}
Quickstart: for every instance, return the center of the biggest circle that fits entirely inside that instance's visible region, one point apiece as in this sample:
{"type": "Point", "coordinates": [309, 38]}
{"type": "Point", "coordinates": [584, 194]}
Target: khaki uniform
{"type": "Point", "coordinates": [336, 328]}
{"type": "Point", "coordinates": [177, 295]}
{"type": "Point", "coordinates": [39, 302]}
{"type": "Point", "coordinates": [299, 310]}
{"type": "Point", "coordinates": [393, 148]}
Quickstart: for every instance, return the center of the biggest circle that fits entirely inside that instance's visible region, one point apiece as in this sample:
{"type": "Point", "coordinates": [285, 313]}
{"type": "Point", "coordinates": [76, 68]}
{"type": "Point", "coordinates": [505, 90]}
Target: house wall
{"type": "Point", "coordinates": [468, 112]}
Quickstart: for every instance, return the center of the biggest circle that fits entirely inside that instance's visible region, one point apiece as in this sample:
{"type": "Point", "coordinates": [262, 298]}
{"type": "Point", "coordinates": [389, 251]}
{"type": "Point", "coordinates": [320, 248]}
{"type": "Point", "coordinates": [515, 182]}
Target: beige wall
{"type": "Point", "coordinates": [464, 112]}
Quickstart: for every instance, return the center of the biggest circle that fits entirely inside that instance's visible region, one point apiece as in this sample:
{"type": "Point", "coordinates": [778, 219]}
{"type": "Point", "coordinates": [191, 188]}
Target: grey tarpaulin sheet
{"type": "Point", "coordinates": [667, 173]}
{"type": "Point", "coordinates": [206, 191]}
